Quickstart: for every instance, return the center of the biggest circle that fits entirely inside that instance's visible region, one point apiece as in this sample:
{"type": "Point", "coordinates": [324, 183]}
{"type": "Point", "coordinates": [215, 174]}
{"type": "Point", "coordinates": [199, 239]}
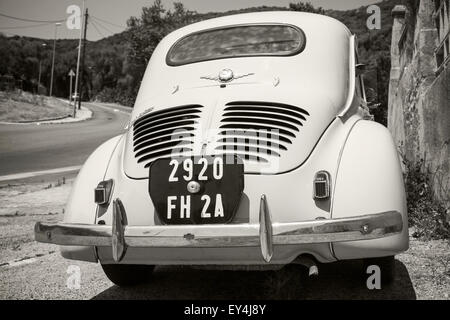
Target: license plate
{"type": "Point", "coordinates": [196, 190]}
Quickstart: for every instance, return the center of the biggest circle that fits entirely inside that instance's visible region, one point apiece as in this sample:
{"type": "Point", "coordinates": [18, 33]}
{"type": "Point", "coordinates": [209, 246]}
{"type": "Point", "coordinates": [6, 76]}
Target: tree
{"type": "Point", "coordinates": [148, 30]}
{"type": "Point", "coordinates": [145, 34]}
{"type": "Point", "coordinates": [305, 7]}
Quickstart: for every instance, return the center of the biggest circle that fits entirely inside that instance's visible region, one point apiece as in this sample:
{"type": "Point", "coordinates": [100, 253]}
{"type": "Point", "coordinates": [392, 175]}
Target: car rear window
{"type": "Point", "coordinates": [238, 41]}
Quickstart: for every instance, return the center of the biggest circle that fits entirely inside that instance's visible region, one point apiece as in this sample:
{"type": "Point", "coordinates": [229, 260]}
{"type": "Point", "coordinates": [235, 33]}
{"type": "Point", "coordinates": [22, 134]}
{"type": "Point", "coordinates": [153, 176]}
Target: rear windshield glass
{"type": "Point", "coordinates": [240, 41]}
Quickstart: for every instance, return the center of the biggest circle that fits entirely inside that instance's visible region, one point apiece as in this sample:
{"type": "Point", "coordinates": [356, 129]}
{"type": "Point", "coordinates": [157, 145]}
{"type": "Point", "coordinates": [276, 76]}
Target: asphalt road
{"type": "Point", "coordinates": [31, 147]}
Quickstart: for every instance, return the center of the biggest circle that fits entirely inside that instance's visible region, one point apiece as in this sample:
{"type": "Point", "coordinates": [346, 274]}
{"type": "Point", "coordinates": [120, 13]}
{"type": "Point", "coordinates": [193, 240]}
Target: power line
{"type": "Point", "coordinates": [28, 26]}
{"type": "Point", "coordinates": [30, 20]}
{"type": "Point", "coordinates": [108, 30]}
{"type": "Point", "coordinates": [31, 26]}
{"type": "Point", "coordinates": [108, 22]}
{"type": "Point", "coordinates": [95, 27]}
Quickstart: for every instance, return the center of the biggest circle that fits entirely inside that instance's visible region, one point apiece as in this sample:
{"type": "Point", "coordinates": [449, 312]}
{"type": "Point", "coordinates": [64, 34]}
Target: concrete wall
{"type": "Point", "coordinates": [419, 94]}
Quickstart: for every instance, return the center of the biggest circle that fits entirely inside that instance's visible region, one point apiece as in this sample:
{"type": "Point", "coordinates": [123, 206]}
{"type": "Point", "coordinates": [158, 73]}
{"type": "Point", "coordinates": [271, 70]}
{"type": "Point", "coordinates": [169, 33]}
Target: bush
{"type": "Point", "coordinates": [425, 213]}
{"type": "Point", "coordinates": [119, 96]}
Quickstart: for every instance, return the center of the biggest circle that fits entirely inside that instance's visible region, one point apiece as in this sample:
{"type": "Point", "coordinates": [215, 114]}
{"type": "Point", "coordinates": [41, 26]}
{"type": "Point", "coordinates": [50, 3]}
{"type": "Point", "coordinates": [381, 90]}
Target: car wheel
{"type": "Point", "coordinates": [125, 275]}
{"type": "Point", "coordinates": [387, 267]}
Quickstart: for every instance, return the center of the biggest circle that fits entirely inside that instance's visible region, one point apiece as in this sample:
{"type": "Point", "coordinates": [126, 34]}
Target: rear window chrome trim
{"type": "Point", "coordinates": [299, 50]}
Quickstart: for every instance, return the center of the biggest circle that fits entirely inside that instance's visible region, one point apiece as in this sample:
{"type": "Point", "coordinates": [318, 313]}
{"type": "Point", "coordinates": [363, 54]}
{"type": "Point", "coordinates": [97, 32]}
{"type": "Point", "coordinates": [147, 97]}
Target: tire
{"type": "Point", "coordinates": [387, 268]}
{"type": "Point", "coordinates": [125, 275]}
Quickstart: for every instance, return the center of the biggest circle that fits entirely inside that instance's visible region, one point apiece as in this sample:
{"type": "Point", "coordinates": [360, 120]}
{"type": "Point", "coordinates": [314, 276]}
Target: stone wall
{"type": "Point", "coordinates": [419, 94]}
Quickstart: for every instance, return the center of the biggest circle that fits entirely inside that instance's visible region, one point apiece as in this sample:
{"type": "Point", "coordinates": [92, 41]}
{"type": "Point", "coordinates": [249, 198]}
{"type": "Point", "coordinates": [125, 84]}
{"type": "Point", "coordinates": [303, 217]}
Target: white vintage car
{"type": "Point", "coordinates": [247, 146]}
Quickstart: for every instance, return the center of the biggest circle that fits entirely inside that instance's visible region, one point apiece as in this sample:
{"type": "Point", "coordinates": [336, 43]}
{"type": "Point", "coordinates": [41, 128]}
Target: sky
{"type": "Point", "coordinates": [110, 16]}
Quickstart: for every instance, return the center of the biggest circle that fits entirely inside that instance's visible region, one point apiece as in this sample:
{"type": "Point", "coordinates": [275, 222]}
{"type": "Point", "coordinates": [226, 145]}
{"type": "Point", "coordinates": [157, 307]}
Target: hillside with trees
{"type": "Point", "coordinates": [114, 65]}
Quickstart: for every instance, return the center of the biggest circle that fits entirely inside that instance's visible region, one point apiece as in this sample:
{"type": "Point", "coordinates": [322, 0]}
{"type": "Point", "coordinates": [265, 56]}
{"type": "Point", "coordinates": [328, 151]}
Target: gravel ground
{"type": "Point", "coordinates": [31, 270]}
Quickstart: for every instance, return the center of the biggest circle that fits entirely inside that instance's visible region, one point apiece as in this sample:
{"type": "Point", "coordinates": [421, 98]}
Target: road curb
{"type": "Point", "coordinates": [49, 119]}
{"type": "Point", "coordinates": [34, 121]}
{"type": "Point", "coordinates": [25, 175]}
{"type": "Point", "coordinates": [59, 120]}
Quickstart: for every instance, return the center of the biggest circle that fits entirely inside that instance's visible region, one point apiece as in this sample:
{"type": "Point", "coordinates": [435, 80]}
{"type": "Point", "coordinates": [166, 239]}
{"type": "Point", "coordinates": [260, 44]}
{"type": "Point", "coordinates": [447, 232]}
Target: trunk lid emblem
{"type": "Point", "coordinates": [226, 75]}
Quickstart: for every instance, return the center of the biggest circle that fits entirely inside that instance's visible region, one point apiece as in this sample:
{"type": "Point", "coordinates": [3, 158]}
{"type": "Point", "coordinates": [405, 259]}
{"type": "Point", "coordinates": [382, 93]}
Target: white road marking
{"type": "Point", "coordinates": [22, 262]}
{"type": "Point", "coordinates": [38, 173]}
{"type": "Point", "coordinates": [14, 123]}
{"type": "Point", "coordinates": [25, 260]}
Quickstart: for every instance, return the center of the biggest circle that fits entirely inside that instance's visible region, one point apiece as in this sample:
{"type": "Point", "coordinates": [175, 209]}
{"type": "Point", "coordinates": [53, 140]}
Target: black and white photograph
{"type": "Point", "coordinates": [228, 151]}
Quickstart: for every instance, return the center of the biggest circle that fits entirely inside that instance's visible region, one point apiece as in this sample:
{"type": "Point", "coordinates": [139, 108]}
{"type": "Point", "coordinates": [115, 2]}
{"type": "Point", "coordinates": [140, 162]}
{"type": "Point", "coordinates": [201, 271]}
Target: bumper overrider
{"type": "Point", "coordinates": [264, 234]}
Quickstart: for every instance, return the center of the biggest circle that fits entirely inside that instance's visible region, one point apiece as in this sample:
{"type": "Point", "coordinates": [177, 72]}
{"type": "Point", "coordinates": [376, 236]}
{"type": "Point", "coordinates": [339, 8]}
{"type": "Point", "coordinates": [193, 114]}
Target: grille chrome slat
{"type": "Point", "coordinates": [160, 122]}
{"type": "Point", "coordinates": [163, 133]}
{"type": "Point", "coordinates": [160, 140]}
{"type": "Point", "coordinates": [166, 153]}
{"type": "Point", "coordinates": [250, 126]}
{"type": "Point", "coordinates": [272, 110]}
{"type": "Point", "coordinates": [252, 142]}
{"type": "Point", "coordinates": [166, 116]}
{"type": "Point", "coordinates": [168, 125]}
{"type": "Point", "coordinates": [151, 115]}
{"type": "Point", "coordinates": [263, 115]}
{"type": "Point", "coordinates": [246, 156]}
{"type": "Point", "coordinates": [259, 129]}
{"type": "Point", "coordinates": [247, 148]}
{"type": "Point", "coordinates": [268, 104]}
{"type": "Point", "coordinates": [170, 144]}
{"type": "Point", "coordinates": [254, 134]}
{"type": "Point", "coordinates": [251, 120]}
{"type": "Point", "coordinates": [167, 132]}
{"type": "Point", "coordinates": [163, 152]}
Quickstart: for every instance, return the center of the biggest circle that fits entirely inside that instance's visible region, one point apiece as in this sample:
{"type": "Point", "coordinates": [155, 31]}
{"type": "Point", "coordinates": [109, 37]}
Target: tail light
{"type": "Point", "coordinates": [102, 193]}
{"type": "Point", "coordinates": [321, 186]}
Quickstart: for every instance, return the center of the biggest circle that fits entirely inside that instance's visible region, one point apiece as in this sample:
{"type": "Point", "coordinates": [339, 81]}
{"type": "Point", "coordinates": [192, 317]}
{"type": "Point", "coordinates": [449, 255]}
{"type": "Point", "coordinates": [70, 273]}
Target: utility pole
{"type": "Point", "coordinates": [53, 59]}
{"type": "Point", "coordinates": [40, 66]}
{"type": "Point", "coordinates": [71, 74]}
{"type": "Point", "coordinates": [78, 68]}
{"type": "Point", "coordinates": [80, 84]}
{"type": "Point", "coordinates": [39, 77]}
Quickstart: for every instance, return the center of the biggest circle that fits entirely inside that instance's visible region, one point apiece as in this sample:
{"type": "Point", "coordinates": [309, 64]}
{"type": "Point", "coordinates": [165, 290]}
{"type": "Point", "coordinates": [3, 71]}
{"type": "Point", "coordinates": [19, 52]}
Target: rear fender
{"type": "Point", "coordinates": [81, 207]}
{"type": "Point", "coordinates": [369, 180]}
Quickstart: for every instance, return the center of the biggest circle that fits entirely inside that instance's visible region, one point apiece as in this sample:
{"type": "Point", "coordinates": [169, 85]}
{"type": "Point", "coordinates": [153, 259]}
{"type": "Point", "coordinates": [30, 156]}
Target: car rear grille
{"type": "Point", "coordinates": [165, 132]}
{"type": "Point", "coordinates": [256, 131]}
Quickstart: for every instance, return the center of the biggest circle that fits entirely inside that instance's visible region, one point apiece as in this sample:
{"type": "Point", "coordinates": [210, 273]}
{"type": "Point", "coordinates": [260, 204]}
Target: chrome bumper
{"type": "Point", "coordinates": [264, 234]}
